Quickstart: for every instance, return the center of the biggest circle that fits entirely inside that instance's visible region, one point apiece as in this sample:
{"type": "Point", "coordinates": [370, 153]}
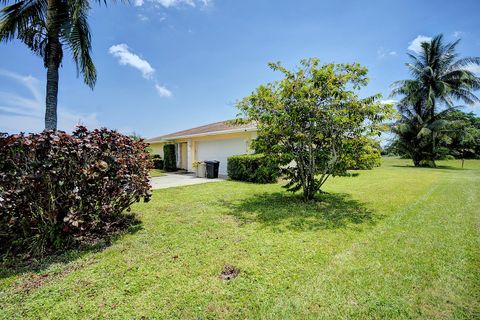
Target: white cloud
{"type": "Point", "coordinates": [126, 57]}
{"type": "Point", "coordinates": [416, 44]}
{"type": "Point", "coordinates": [26, 113]}
{"type": "Point", "coordinates": [175, 3]}
{"type": "Point", "coordinates": [142, 17]}
{"type": "Point", "coordinates": [473, 68]}
{"type": "Point", "coordinates": [457, 34]}
{"type": "Point", "coordinates": [382, 53]}
{"type": "Point", "coordinates": [163, 91]}
{"type": "Point", "coordinates": [389, 101]}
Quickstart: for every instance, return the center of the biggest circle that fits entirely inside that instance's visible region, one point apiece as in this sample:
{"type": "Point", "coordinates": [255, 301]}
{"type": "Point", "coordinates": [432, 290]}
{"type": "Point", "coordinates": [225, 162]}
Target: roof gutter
{"type": "Point", "coordinates": [211, 133]}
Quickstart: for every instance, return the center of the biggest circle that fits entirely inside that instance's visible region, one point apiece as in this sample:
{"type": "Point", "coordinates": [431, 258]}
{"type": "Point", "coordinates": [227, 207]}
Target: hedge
{"type": "Point", "coordinates": [170, 158]}
{"type": "Point", "coordinates": [57, 189]}
{"type": "Point", "coordinates": [252, 168]}
{"type": "Point", "coordinates": [157, 162]}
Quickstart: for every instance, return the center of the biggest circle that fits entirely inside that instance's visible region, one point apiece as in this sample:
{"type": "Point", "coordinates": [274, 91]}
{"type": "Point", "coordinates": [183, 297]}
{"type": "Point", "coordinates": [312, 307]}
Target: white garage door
{"type": "Point", "coordinates": [220, 150]}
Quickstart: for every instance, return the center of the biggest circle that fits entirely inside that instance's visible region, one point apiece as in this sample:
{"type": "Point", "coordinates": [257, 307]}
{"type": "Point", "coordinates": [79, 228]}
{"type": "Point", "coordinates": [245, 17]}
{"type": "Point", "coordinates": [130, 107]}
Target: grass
{"type": "Point", "coordinates": [394, 243]}
{"type": "Point", "coordinates": [156, 173]}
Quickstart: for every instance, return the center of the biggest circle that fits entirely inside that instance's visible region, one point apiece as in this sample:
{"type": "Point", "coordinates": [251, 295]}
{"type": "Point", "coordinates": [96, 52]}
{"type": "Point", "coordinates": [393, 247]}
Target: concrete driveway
{"type": "Point", "coordinates": [171, 180]}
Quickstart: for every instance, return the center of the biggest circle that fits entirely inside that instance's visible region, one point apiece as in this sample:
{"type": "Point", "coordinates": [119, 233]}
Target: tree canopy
{"type": "Point", "coordinates": [459, 137]}
{"type": "Point", "coordinates": [312, 122]}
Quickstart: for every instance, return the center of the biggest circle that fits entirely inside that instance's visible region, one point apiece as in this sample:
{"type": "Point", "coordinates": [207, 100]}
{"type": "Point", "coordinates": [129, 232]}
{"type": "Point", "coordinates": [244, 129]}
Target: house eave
{"type": "Point", "coordinates": [212, 133]}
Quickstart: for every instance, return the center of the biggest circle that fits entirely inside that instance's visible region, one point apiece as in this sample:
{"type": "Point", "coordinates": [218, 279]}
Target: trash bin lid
{"type": "Point", "coordinates": [212, 161]}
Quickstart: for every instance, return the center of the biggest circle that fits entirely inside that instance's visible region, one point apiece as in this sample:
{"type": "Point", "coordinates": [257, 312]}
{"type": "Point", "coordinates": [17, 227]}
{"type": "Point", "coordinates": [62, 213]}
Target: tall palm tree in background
{"type": "Point", "coordinates": [439, 81]}
{"type": "Point", "coordinates": [46, 26]}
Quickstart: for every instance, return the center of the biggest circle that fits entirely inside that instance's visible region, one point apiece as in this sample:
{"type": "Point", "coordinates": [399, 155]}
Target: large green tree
{"type": "Point", "coordinates": [461, 137]}
{"type": "Point", "coordinates": [46, 27]}
{"type": "Point", "coordinates": [439, 81]}
{"type": "Point", "coordinates": [312, 122]}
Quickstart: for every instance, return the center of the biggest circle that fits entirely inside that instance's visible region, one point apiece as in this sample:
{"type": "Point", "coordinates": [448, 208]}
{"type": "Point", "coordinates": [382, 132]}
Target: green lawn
{"type": "Point", "coordinates": [156, 173]}
{"type": "Point", "coordinates": [394, 243]}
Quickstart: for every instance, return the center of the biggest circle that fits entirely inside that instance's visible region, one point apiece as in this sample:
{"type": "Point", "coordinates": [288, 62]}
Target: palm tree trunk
{"type": "Point", "coordinates": [53, 57]}
{"type": "Point", "coordinates": [432, 119]}
{"type": "Point", "coordinates": [416, 160]}
{"type": "Point", "coordinates": [51, 97]}
{"type": "Point", "coordinates": [433, 165]}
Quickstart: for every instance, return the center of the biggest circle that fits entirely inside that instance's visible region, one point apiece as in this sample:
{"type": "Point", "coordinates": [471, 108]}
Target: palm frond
{"type": "Point", "coordinates": [437, 125]}
{"type": "Point", "coordinates": [21, 19]}
{"type": "Point", "coordinates": [76, 34]}
{"type": "Point", "coordinates": [465, 95]}
{"type": "Point", "coordinates": [424, 132]}
{"type": "Point", "coordinates": [6, 2]}
{"type": "Point", "coordinates": [463, 63]}
{"type": "Point", "coordinates": [446, 112]}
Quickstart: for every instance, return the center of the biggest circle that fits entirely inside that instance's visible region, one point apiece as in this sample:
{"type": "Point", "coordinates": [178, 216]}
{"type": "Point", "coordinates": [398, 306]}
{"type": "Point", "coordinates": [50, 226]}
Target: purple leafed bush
{"type": "Point", "coordinates": [57, 188]}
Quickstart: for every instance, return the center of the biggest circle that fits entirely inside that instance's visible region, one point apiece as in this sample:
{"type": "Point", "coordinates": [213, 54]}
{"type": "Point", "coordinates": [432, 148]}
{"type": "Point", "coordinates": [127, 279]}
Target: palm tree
{"type": "Point", "coordinates": [414, 131]}
{"type": "Point", "coordinates": [46, 26]}
{"type": "Point", "coordinates": [439, 80]}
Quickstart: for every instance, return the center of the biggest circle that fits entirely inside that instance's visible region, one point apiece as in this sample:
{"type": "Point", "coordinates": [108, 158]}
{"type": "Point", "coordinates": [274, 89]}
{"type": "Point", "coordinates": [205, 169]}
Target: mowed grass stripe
{"type": "Point", "coordinates": [421, 263]}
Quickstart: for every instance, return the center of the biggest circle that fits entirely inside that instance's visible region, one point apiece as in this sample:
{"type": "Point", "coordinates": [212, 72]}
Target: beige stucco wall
{"type": "Point", "coordinates": [188, 146]}
{"type": "Point", "coordinates": [248, 136]}
{"type": "Point", "coordinates": [183, 156]}
{"type": "Point", "coordinates": [157, 148]}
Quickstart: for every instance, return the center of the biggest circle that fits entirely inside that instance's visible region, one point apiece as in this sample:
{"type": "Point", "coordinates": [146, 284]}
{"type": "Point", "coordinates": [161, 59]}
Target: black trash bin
{"type": "Point", "coordinates": [212, 169]}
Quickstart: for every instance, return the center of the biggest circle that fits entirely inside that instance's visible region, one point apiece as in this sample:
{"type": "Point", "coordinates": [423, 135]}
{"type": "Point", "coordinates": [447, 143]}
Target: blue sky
{"type": "Point", "coordinates": [167, 65]}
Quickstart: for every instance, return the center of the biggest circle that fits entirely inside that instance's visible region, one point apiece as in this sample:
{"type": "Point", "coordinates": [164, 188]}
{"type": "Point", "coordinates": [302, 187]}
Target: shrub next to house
{"type": "Point", "coordinates": [57, 188]}
{"type": "Point", "coordinates": [157, 162]}
{"type": "Point", "coordinates": [170, 159]}
{"type": "Point", "coordinates": [252, 168]}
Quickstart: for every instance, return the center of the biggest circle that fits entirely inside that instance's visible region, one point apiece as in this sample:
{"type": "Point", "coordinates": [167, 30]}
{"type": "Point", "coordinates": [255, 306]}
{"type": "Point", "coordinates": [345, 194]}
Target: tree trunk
{"type": "Point", "coordinates": [308, 190]}
{"type": "Point", "coordinates": [51, 97]}
{"type": "Point", "coordinates": [416, 162]}
{"type": "Point", "coordinates": [52, 60]}
{"type": "Point", "coordinates": [433, 155]}
{"type": "Point", "coordinates": [433, 152]}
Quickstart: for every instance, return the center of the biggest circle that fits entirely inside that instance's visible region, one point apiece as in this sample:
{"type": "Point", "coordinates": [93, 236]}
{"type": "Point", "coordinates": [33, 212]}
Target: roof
{"type": "Point", "coordinates": [208, 129]}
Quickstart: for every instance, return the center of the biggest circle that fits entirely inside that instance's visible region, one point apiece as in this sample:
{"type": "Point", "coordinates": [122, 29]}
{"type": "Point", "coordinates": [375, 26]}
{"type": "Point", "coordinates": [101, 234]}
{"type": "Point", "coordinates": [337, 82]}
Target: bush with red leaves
{"type": "Point", "coordinates": [56, 188]}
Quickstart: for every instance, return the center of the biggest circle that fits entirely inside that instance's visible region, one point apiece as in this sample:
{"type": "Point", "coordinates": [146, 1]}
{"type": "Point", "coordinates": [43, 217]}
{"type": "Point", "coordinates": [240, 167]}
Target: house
{"type": "Point", "coordinates": [215, 141]}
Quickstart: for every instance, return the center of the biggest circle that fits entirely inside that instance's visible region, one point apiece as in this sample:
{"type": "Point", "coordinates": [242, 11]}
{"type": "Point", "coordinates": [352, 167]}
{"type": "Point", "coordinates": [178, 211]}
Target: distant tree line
{"type": "Point", "coordinates": [459, 138]}
{"type": "Point", "coordinates": [431, 126]}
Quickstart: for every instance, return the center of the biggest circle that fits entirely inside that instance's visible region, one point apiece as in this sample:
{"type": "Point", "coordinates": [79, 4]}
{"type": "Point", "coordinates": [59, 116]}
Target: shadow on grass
{"type": "Point", "coordinates": [12, 266]}
{"type": "Point", "coordinates": [283, 210]}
